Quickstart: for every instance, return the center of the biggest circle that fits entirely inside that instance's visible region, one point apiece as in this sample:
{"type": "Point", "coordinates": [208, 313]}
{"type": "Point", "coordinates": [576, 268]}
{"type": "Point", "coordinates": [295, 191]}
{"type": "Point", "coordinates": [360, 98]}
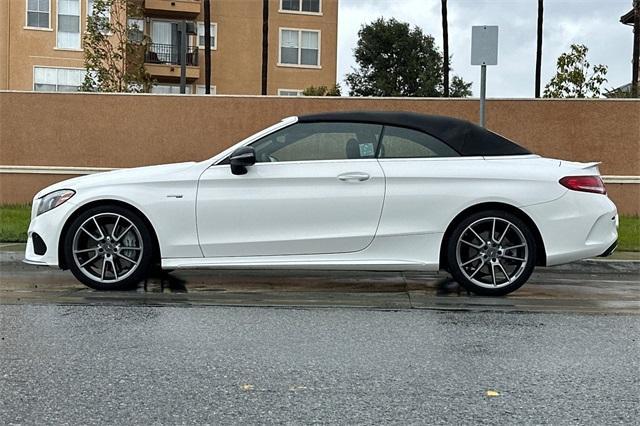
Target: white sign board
{"type": "Point", "coordinates": [484, 45]}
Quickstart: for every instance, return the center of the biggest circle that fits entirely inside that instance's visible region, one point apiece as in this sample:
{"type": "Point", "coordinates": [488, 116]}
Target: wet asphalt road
{"type": "Point", "coordinates": [320, 347]}
{"type": "Point", "coordinates": [588, 287]}
{"type": "Point", "coordinates": [144, 365]}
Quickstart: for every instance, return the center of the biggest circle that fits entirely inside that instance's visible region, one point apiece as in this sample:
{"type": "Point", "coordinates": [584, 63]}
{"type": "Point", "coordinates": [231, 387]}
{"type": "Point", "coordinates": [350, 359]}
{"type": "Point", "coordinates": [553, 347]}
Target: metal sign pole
{"type": "Point", "coordinates": [483, 93]}
{"type": "Point", "coordinates": [484, 51]}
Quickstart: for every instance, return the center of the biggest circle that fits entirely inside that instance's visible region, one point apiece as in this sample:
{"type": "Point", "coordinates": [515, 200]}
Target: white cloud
{"type": "Point", "coordinates": [591, 22]}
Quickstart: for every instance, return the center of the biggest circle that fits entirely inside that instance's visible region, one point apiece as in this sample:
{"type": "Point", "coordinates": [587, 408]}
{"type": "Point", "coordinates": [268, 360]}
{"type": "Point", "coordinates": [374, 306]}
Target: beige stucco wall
{"type": "Point", "coordinates": [112, 130]}
{"type": "Point", "coordinates": [4, 44]}
{"type": "Point", "coordinates": [236, 61]}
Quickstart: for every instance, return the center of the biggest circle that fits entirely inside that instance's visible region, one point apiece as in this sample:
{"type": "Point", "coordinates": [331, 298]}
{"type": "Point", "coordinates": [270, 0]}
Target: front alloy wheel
{"type": "Point", "coordinates": [491, 253]}
{"type": "Point", "coordinates": [108, 248]}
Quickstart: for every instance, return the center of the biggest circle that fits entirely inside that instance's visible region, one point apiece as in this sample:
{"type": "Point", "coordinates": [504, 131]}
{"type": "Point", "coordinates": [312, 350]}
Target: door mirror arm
{"type": "Point", "coordinates": [242, 158]}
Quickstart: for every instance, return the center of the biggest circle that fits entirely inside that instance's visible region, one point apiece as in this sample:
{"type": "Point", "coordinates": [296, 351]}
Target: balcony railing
{"type": "Point", "coordinates": [170, 54]}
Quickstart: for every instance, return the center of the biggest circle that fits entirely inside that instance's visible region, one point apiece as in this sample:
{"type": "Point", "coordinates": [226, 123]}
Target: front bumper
{"type": "Point", "coordinates": [48, 226]}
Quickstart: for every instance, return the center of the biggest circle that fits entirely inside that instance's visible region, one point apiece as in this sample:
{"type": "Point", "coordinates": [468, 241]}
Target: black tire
{"type": "Point", "coordinates": [472, 276]}
{"type": "Point", "coordinates": [144, 259]}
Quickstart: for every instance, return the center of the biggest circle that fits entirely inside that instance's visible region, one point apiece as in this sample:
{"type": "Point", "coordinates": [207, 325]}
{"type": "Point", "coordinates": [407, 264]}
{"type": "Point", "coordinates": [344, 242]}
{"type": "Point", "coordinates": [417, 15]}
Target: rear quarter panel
{"type": "Point", "coordinates": [424, 195]}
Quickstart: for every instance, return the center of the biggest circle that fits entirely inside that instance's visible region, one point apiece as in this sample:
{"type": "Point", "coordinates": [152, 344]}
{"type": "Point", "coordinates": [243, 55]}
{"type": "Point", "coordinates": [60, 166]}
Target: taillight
{"type": "Point", "coordinates": [584, 183]}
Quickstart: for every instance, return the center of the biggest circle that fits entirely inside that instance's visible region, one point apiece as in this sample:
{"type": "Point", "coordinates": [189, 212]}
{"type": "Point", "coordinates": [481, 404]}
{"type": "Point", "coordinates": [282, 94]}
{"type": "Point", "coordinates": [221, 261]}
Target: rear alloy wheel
{"type": "Point", "coordinates": [491, 253]}
{"type": "Point", "coordinates": [108, 248]}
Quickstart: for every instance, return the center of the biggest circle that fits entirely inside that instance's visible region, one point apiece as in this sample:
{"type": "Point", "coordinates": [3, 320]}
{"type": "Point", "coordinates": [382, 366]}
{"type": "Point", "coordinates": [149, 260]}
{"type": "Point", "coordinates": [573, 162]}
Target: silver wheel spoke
{"type": "Point", "coordinates": [115, 226]}
{"type": "Point", "coordinates": [513, 247]}
{"type": "Point", "coordinates": [128, 259]}
{"type": "Point", "coordinates": [90, 261]}
{"type": "Point", "coordinates": [471, 261]}
{"type": "Point", "coordinates": [476, 234]}
{"type": "Point", "coordinates": [87, 250]}
{"type": "Point", "coordinates": [104, 264]}
{"type": "Point", "coordinates": [113, 266]}
{"type": "Point", "coordinates": [123, 233]}
{"type": "Point", "coordinates": [89, 234]}
{"type": "Point", "coordinates": [493, 230]}
{"type": "Point", "coordinates": [471, 244]}
{"type": "Point", "coordinates": [504, 233]}
{"type": "Point", "coordinates": [493, 273]}
{"type": "Point", "coordinates": [479, 267]}
{"type": "Point", "coordinates": [504, 272]}
{"type": "Point", "coordinates": [98, 227]}
{"type": "Point", "coordinates": [519, 259]}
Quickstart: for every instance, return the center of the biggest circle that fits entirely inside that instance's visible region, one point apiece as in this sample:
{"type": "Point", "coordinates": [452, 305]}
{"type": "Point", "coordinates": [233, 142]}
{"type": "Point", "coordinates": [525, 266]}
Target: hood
{"type": "Point", "coordinates": [119, 176]}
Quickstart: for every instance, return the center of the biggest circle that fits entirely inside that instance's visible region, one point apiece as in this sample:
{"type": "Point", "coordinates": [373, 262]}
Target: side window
{"type": "Point", "coordinates": [398, 142]}
{"type": "Point", "coordinates": [319, 141]}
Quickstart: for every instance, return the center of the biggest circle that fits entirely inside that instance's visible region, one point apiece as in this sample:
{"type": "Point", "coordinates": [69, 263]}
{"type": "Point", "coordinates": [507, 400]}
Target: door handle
{"type": "Point", "coordinates": [357, 176]}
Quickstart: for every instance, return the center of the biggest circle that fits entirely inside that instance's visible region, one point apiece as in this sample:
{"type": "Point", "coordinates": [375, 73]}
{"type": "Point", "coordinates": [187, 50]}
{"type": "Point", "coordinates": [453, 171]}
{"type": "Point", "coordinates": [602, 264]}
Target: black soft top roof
{"type": "Point", "coordinates": [466, 138]}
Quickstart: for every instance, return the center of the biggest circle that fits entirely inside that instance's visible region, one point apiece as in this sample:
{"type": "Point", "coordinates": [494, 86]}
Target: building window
{"type": "Point", "coordinates": [164, 32]}
{"type": "Point", "coordinates": [289, 92]}
{"type": "Point", "coordinates": [38, 13]}
{"type": "Point", "coordinates": [303, 6]}
{"type": "Point", "coordinates": [68, 24]}
{"type": "Point", "coordinates": [200, 90]}
{"type": "Point", "coordinates": [47, 79]}
{"type": "Point", "coordinates": [214, 35]}
{"type": "Point", "coordinates": [135, 30]}
{"type": "Point", "coordinates": [169, 89]}
{"type": "Point", "coordinates": [299, 47]}
{"type": "Point", "coordinates": [103, 20]}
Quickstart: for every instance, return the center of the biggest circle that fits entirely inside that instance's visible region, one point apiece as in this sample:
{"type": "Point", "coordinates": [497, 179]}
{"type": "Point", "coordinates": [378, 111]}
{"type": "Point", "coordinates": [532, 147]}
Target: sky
{"type": "Point", "coordinates": [594, 23]}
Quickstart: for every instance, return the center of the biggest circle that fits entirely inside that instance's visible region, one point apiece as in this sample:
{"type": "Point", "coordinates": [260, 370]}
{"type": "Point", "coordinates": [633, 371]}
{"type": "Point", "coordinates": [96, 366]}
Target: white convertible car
{"type": "Point", "coordinates": [347, 190]}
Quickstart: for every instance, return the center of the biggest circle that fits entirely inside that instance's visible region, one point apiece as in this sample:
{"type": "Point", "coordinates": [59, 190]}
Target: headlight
{"type": "Point", "coordinates": [53, 200]}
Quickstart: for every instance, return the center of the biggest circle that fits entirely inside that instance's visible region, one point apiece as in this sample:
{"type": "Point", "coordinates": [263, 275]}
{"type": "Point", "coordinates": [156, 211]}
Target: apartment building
{"type": "Point", "coordinates": [41, 44]}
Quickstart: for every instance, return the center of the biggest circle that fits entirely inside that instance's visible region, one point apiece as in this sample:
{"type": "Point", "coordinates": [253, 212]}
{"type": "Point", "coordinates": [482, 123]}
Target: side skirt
{"type": "Point", "coordinates": [257, 263]}
{"type": "Point", "coordinates": [413, 252]}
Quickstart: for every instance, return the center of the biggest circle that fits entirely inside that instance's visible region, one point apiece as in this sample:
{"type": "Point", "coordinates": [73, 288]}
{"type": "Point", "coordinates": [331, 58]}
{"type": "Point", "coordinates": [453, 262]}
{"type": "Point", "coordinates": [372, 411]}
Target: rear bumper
{"type": "Point", "coordinates": [576, 226]}
{"type": "Point", "coordinates": [610, 250]}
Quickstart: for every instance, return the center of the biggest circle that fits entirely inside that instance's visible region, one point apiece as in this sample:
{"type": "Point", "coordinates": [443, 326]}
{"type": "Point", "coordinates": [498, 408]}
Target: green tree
{"type": "Point", "coordinates": [459, 88]}
{"type": "Point", "coordinates": [396, 60]}
{"type": "Point", "coordinates": [575, 77]}
{"type": "Point", "coordinates": [114, 50]}
{"type": "Point", "coordinates": [322, 91]}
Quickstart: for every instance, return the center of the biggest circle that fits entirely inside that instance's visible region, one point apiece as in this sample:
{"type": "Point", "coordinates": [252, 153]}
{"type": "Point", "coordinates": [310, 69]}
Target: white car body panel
{"type": "Point", "coordinates": [298, 214]}
{"type": "Point", "coordinates": [576, 226]}
{"type": "Point", "coordinates": [272, 210]}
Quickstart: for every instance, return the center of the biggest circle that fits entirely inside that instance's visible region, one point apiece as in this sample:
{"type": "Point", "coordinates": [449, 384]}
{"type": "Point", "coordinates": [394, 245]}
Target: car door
{"type": "Point", "coordinates": [315, 188]}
